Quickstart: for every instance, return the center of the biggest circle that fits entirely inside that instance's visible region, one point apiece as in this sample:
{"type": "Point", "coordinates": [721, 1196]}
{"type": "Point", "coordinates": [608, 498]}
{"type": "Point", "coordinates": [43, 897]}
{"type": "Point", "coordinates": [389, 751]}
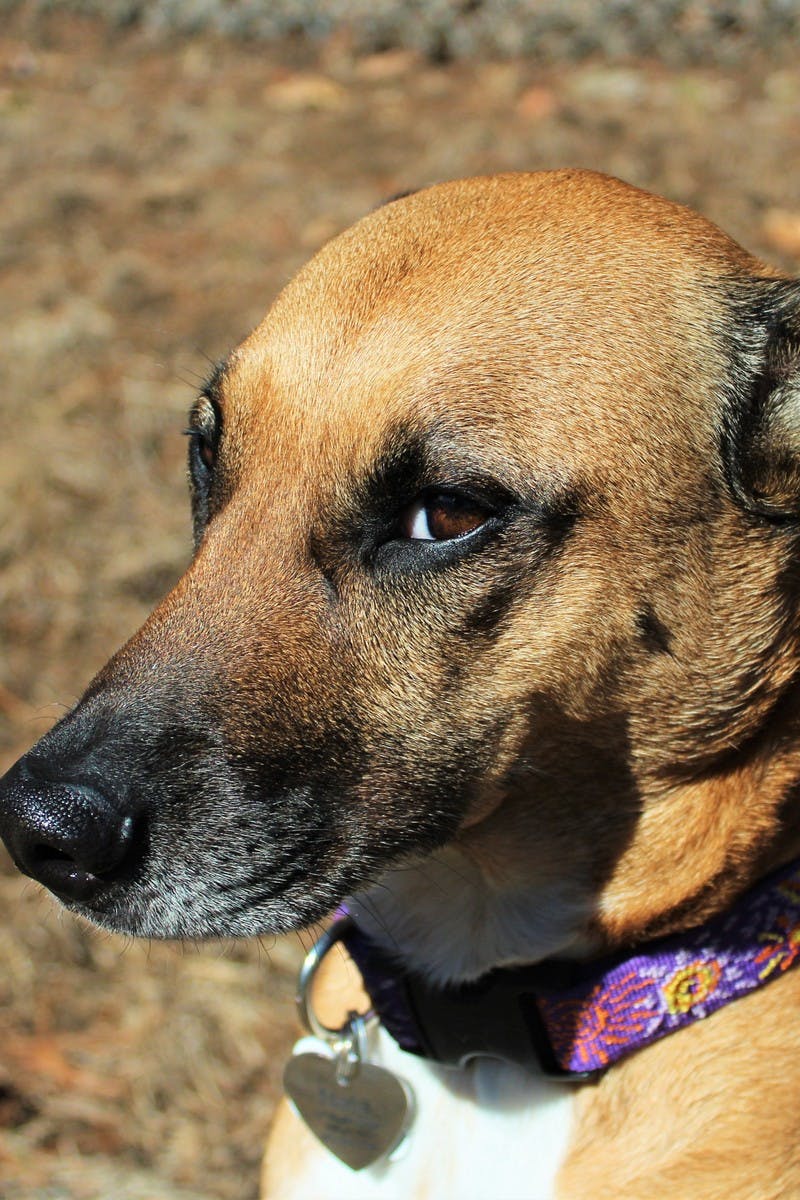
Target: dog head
{"type": "Point", "coordinates": [495, 520]}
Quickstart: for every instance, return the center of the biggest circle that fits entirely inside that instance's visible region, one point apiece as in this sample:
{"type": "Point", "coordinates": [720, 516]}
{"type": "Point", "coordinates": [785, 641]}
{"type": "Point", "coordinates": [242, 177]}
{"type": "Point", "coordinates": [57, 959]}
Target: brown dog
{"type": "Point", "coordinates": [492, 620]}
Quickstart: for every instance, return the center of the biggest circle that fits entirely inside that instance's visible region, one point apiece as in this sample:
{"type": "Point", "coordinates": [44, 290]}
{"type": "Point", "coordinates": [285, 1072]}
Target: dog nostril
{"type": "Point", "coordinates": [65, 835]}
{"type": "Point", "coordinates": [41, 853]}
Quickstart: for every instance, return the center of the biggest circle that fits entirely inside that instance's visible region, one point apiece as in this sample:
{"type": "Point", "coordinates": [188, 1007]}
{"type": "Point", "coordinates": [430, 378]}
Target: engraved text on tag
{"type": "Point", "coordinates": [360, 1121]}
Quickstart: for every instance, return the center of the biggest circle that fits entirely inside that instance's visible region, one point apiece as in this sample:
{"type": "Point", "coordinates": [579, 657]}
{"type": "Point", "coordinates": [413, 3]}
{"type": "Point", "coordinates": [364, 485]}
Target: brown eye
{"type": "Point", "coordinates": [206, 451]}
{"type": "Point", "coordinates": [441, 517]}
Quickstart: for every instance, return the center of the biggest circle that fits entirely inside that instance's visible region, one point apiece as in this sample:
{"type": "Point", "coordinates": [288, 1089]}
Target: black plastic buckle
{"type": "Point", "coordinates": [496, 1016]}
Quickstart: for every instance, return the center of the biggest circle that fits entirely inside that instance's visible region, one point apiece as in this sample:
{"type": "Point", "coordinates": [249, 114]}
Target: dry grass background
{"type": "Point", "coordinates": [155, 197]}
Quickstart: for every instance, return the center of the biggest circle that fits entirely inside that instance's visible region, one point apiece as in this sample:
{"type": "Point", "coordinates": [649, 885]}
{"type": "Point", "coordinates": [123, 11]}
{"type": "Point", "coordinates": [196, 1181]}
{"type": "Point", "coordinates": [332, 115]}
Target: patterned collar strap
{"type": "Point", "coordinates": [574, 1020]}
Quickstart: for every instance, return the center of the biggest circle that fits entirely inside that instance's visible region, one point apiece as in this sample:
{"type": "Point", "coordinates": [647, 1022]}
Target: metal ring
{"type": "Point", "coordinates": [335, 932]}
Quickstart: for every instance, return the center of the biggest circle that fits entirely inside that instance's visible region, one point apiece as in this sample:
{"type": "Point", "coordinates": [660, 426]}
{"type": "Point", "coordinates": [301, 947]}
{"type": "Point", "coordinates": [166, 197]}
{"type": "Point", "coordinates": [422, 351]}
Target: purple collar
{"type": "Point", "coordinates": [572, 1020]}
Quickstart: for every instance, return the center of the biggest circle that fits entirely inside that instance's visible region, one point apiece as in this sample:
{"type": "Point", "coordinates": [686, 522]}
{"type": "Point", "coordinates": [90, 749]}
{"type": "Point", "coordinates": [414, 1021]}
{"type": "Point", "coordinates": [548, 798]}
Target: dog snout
{"type": "Point", "coordinates": [68, 836]}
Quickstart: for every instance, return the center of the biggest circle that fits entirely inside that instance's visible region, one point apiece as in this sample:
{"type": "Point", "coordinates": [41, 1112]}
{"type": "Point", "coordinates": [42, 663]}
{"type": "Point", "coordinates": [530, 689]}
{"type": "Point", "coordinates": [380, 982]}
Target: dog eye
{"type": "Point", "coordinates": [203, 431]}
{"type": "Point", "coordinates": [442, 517]}
{"type": "Point", "coordinates": [206, 450]}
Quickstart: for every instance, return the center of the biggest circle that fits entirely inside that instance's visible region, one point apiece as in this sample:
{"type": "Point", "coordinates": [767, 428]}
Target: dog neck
{"type": "Point", "coordinates": [572, 1020]}
{"type": "Point", "coordinates": [500, 896]}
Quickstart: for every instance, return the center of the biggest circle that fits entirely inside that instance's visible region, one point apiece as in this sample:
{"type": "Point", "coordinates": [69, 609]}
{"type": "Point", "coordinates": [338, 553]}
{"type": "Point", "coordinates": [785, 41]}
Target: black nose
{"type": "Point", "coordinates": [66, 835]}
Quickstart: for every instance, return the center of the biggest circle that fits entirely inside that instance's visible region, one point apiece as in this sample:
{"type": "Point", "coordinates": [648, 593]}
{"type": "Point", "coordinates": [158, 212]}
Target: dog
{"type": "Point", "coordinates": [492, 626]}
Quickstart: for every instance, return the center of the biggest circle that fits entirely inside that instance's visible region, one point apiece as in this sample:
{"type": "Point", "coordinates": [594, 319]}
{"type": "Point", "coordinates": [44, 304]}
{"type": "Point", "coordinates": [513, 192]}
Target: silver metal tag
{"type": "Point", "coordinates": [360, 1116]}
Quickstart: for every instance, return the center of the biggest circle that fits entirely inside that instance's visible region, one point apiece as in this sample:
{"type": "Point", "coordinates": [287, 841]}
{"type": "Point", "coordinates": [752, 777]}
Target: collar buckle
{"type": "Point", "coordinates": [496, 1016]}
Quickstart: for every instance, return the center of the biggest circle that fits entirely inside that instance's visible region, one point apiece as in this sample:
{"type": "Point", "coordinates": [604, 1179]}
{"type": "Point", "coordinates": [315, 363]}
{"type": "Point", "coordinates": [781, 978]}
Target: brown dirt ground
{"type": "Point", "coordinates": [155, 197]}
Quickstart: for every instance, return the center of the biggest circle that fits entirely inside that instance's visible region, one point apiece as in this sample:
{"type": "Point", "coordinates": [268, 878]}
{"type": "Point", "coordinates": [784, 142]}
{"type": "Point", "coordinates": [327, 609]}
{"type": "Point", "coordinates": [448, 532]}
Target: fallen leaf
{"type": "Point", "coordinates": [304, 93]}
{"type": "Point", "coordinates": [536, 103]}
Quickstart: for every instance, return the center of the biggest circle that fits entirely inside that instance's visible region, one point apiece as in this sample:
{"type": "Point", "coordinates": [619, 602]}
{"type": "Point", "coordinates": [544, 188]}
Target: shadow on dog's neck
{"type": "Point", "coordinates": [593, 860]}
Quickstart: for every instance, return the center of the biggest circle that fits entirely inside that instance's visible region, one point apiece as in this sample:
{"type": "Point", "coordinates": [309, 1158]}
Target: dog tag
{"type": "Point", "coordinates": [359, 1121]}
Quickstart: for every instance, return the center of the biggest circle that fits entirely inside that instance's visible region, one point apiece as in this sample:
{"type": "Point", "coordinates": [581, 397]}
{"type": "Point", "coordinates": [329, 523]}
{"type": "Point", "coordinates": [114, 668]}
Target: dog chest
{"type": "Point", "coordinates": [490, 1131]}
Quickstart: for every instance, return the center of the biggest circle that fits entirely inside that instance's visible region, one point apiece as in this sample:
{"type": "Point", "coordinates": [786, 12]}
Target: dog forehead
{"type": "Point", "coordinates": [562, 295]}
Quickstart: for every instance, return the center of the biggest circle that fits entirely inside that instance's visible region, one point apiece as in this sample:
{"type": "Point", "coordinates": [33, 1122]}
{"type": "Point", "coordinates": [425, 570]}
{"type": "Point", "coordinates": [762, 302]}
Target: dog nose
{"type": "Point", "coordinates": [65, 835]}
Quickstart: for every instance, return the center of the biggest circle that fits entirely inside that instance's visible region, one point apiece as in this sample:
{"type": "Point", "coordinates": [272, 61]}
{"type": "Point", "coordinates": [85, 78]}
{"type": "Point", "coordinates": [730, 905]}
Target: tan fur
{"type": "Point", "coordinates": [709, 1112]}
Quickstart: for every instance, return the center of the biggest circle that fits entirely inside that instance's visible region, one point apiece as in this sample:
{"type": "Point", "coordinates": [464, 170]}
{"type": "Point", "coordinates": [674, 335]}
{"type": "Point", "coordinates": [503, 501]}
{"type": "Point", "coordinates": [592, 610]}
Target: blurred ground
{"type": "Point", "coordinates": [155, 197]}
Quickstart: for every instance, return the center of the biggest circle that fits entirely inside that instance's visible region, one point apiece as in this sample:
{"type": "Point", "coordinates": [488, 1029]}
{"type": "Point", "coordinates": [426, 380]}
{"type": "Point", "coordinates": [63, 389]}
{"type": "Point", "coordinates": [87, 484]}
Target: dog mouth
{"type": "Point", "coordinates": [187, 900]}
{"type": "Point", "coordinates": [178, 907]}
{"type": "Point", "coordinates": [180, 904]}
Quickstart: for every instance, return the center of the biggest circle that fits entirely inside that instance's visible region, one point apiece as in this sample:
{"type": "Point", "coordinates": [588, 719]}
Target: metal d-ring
{"type": "Point", "coordinates": [333, 934]}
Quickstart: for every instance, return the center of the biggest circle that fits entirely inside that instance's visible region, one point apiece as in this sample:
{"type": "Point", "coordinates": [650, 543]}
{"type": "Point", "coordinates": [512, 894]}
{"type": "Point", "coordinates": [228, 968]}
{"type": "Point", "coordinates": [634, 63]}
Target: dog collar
{"type": "Point", "coordinates": [573, 1020]}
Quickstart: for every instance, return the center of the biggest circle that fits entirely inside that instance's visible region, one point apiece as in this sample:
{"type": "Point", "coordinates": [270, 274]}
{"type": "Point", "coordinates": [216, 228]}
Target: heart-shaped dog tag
{"type": "Point", "coordinates": [359, 1121]}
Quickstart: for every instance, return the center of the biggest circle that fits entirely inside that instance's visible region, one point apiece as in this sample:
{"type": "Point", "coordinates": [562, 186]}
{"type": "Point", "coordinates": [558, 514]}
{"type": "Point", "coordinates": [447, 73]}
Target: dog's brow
{"type": "Point", "coordinates": [412, 458]}
{"type": "Point", "coordinates": [400, 467]}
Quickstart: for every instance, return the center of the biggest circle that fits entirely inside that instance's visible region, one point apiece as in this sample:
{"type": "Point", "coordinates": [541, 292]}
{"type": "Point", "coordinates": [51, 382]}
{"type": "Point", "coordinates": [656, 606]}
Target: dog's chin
{"type": "Point", "coordinates": [172, 911]}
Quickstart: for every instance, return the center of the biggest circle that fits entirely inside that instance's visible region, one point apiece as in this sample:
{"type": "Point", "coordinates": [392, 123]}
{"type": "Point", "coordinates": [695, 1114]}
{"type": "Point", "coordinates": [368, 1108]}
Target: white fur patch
{"type": "Point", "coordinates": [440, 917]}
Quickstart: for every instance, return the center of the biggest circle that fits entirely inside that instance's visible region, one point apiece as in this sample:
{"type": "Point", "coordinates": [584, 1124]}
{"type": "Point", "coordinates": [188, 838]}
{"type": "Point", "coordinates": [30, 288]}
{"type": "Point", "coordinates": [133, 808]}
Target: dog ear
{"type": "Point", "coordinates": [763, 442]}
